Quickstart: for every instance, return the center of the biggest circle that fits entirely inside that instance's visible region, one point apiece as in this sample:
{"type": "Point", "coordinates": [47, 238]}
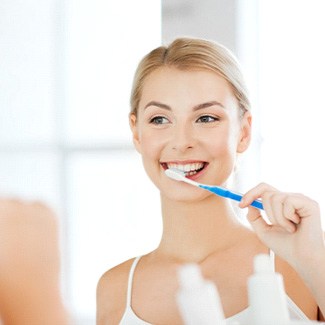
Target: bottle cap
{"type": "Point", "coordinates": [262, 264]}
{"type": "Point", "coordinates": [189, 275]}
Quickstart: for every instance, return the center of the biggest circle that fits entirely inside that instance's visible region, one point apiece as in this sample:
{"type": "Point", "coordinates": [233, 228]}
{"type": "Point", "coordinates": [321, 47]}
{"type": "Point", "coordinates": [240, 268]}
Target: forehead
{"type": "Point", "coordinates": [168, 83]}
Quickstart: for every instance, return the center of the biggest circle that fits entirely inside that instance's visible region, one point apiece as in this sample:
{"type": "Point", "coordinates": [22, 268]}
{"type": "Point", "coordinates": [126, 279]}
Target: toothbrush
{"type": "Point", "coordinates": [218, 190]}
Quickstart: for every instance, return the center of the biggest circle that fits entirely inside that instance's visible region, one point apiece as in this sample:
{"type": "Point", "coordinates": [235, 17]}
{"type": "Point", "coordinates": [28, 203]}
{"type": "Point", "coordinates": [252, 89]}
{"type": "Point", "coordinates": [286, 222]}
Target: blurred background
{"type": "Point", "coordinates": [66, 69]}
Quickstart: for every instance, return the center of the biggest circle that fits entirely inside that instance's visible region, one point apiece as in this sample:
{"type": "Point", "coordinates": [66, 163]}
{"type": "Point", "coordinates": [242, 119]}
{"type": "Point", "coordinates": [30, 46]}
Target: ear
{"type": "Point", "coordinates": [245, 132]}
{"type": "Point", "coordinates": [135, 132]}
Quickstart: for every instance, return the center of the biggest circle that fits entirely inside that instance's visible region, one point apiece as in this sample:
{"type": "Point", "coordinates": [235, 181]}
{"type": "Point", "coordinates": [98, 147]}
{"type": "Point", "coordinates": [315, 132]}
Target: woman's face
{"type": "Point", "coordinates": [188, 120]}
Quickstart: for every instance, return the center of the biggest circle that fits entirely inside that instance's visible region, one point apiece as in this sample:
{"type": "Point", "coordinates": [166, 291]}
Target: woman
{"type": "Point", "coordinates": [190, 111]}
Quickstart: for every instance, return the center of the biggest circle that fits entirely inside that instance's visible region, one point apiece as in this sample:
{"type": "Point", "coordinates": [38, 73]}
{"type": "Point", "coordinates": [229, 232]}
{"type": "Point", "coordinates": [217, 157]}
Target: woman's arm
{"type": "Point", "coordinates": [313, 274]}
{"type": "Point", "coordinates": [292, 229]}
{"type": "Point", "coordinates": [30, 265]}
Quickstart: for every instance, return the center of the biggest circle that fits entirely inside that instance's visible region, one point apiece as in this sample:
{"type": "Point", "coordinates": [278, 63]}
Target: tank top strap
{"type": "Point", "coordinates": [130, 281]}
{"type": "Point", "coordinates": [272, 257]}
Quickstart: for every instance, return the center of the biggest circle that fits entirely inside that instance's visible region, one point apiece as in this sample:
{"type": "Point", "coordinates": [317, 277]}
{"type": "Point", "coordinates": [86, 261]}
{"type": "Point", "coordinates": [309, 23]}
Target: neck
{"type": "Point", "coordinates": [194, 230]}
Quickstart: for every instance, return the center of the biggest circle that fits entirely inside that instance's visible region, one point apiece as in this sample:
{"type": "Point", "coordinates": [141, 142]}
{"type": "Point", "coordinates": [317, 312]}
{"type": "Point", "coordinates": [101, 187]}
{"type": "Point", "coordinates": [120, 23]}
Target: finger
{"type": "Point", "coordinates": [290, 212]}
{"type": "Point", "coordinates": [265, 192]}
{"type": "Point", "coordinates": [267, 204]}
{"type": "Point", "coordinates": [280, 217]}
{"type": "Point", "coordinates": [255, 193]}
{"type": "Point", "coordinates": [256, 220]}
{"type": "Point", "coordinates": [303, 205]}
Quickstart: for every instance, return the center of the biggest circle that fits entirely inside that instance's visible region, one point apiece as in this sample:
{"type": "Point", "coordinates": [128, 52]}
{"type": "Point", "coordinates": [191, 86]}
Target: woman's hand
{"type": "Point", "coordinates": [291, 227]}
{"type": "Point", "coordinates": [29, 265]}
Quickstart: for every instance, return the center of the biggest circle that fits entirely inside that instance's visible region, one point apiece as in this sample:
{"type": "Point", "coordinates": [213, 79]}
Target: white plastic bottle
{"type": "Point", "coordinates": [267, 298]}
{"type": "Point", "coordinates": [198, 299]}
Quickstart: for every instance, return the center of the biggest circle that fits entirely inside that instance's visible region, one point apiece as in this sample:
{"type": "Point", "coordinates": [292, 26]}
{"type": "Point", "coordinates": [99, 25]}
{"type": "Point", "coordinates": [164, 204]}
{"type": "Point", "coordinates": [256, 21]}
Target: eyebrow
{"type": "Point", "coordinates": [195, 108]}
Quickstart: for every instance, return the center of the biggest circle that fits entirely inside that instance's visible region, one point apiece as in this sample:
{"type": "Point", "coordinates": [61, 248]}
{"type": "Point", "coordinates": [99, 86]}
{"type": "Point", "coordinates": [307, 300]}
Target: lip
{"type": "Point", "coordinates": [164, 165]}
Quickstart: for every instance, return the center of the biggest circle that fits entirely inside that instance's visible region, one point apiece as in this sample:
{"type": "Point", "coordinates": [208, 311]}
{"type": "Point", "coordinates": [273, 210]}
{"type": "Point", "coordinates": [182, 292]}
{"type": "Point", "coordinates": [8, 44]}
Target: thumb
{"type": "Point", "coordinates": [256, 220]}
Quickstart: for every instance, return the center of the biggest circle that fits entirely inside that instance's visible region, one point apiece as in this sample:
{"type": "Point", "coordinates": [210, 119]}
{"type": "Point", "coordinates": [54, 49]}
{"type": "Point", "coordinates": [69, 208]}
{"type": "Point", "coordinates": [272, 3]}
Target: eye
{"type": "Point", "coordinates": [207, 119]}
{"type": "Point", "coordinates": [159, 120]}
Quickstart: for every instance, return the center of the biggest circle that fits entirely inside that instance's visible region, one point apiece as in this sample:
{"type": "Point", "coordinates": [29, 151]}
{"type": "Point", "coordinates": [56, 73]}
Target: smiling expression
{"type": "Point", "coordinates": [189, 120]}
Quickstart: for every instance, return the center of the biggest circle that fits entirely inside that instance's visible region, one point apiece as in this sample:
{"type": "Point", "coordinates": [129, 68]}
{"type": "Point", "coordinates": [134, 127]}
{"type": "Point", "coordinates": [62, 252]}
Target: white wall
{"type": "Point", "coordinates": [211, 19]}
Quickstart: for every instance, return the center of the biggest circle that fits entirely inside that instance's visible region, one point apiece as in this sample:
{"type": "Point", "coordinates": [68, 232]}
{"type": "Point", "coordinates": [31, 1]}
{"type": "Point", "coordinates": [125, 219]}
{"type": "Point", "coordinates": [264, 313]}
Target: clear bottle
{"type": "Point", "coordinates": [197, 298]}
{"type": "Point", "coordinates": [267, 298]}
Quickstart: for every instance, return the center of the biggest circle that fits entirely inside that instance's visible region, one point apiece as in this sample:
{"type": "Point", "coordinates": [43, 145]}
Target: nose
{"type": "Point", "coordinates": [183, 137]}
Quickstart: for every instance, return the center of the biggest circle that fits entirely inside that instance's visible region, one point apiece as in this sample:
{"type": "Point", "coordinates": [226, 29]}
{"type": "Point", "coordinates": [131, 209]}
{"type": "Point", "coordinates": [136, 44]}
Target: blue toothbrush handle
{"type": "Point", "coordinates": [230, 195]}
{"type": "Point", "coordinates": [257, 204]}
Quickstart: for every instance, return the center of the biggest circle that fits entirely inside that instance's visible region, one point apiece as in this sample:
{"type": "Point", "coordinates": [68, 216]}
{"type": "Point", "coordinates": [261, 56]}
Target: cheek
{"type": "Point", "coordinates": [224, 150]}
{"type": "Point", "coordinates": [151, 145]}
{"type": "Point", "coordinates": [224, 144]}
{"type": "Point", "coordinates": [224, 160]}
{"type": "Point", "coordinates": [225, 155]}
{"type": "Point", "coordinates": [151, 150]}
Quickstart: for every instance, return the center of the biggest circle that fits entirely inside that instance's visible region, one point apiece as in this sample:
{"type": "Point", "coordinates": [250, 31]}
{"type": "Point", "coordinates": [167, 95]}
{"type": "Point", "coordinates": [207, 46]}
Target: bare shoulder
{"type": "Point", "coordinates": [111, 293]}
{"type": "Point", "coordinates": [297, 289]}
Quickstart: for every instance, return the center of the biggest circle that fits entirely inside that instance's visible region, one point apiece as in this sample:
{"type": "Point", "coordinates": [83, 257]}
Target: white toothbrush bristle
{"type": "Point", "coordinates": [175, 174]}
{"type": "Point", "coordinates": [178, 175]}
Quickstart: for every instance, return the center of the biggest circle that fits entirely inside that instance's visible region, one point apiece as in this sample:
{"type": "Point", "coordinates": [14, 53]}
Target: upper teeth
{"type": "Point", "coordinates": [186, 167]}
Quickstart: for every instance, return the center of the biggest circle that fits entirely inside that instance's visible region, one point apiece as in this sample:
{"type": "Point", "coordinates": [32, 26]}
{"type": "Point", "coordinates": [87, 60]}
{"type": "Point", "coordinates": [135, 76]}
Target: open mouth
{"type": "Point", "coordinates": [188, 169]}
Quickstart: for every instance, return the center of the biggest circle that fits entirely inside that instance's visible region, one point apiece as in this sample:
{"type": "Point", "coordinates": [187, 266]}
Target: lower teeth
{"type": "Point", "coordinates": [191, 173]}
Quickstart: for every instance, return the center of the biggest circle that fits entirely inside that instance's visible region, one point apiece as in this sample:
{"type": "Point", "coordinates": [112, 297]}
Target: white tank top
{"type": "Point", "coordinates": [130, 318]}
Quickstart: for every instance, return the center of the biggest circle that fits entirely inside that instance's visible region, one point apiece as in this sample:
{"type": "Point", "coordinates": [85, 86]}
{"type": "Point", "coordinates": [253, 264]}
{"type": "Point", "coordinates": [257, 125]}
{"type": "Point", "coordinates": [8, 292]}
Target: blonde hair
{"type": "Point", "coordinates": [192, 54]}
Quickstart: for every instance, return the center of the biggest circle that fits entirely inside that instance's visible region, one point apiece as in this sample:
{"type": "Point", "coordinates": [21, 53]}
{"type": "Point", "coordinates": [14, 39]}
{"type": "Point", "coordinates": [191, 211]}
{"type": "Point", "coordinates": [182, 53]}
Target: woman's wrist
{"type": "Point", "coordinates": [311, 262]}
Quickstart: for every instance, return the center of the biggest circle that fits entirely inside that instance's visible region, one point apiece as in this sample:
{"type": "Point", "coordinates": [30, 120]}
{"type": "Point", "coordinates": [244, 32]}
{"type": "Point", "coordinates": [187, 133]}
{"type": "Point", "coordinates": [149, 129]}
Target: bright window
{"type": "Point", "coordinates": [291, 87]}
{"type": "Point", "coordinates": [281, 50]}
{"type": "Point", "coordinates": [110, 202]}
